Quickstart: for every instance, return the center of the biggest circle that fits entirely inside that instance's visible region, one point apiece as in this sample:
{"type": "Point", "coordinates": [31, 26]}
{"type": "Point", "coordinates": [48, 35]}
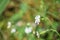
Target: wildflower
{"type": "Point", "coordinates": [13, 30]}
{"type": "Point", "coordinates": [28, 30]}
{"type": "Point", "coordinates": [37, 19]}
{"type": "Point", "coordinates": [37, 34]}
{"type": "Point", "coordinates": [9, 25]}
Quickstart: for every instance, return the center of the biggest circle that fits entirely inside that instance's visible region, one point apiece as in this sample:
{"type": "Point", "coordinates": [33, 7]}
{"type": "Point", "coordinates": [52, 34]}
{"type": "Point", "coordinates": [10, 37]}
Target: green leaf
{"type": "Point", "coordinates": [31, 37]}
{"type": "Point", "coordinates": [19, 15]}
{"type": "Point", "coordinates": [21, 32]}
{"type": "Point", "coordinates": [50, 36]}
{"type": "Point", "coordinates": [54, 25]}
{"type": "Point", "coordinates": [3, 4]}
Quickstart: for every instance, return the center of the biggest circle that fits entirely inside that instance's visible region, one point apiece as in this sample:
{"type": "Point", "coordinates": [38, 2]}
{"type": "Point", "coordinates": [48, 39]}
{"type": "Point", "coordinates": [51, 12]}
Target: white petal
{"type": "Point", "coordinates": [13, 30]}
{"type": "Point", "coordinates": [9, 25]}
{"type": "Point", "coordinates": [37, 34]}
{"type": "Point", "coordinates": [37, 21]}
{"type": "Point", "coordinates": [28, 30]}
{"type": "Point", "coordinates": [37, 17]}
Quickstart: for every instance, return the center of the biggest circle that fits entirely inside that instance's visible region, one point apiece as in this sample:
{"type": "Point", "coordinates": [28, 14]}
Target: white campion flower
{"type": "Point", "coordinates": [28, 30]}
{"type": "Point", "coordinates": [37, 19]}
{"type": "Point", "coordinates": [9, 25]}
{"type": "Point", "coordinates": [13, 30]}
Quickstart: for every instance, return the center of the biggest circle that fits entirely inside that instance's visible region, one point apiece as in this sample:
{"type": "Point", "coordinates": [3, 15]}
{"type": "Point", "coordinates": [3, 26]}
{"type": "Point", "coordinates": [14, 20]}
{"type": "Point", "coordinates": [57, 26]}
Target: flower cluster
{"type": "Point", "coordinates": [28, 30]}
{"type": "Point", "coordinates": [37, 19]}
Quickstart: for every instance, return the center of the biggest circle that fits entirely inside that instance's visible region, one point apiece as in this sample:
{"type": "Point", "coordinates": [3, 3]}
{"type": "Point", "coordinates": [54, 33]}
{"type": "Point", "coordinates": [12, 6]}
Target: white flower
{"type": "Point", "coordinates": [9, 25]}
{"type": "Point", "coordinates": [37, 19]}
{"type": "Point", "coordinates": [28, 30]}
{"type": "Point", "coordinates": [37, 34]}
{"type": "Point", "coordinates": [13, 30]}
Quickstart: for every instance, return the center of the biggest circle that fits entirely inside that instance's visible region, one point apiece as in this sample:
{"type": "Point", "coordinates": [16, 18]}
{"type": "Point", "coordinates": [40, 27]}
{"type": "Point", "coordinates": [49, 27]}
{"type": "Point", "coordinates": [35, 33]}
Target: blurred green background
{"type": "Point", "coordinates": [18, 17]}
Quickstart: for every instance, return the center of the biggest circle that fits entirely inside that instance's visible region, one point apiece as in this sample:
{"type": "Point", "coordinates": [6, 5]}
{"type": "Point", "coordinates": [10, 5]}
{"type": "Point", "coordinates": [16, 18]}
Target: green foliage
{"type": "Point", "coordinates": [31, 37]}
{"type": "Point", "coordinates": [3, 5]}
{"type": "Point", "coordinates": [50, 26]}
{"type": "Point", "coordinates": [17, 16]}
{"type": "Point", "coordinates": [21, 33]}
